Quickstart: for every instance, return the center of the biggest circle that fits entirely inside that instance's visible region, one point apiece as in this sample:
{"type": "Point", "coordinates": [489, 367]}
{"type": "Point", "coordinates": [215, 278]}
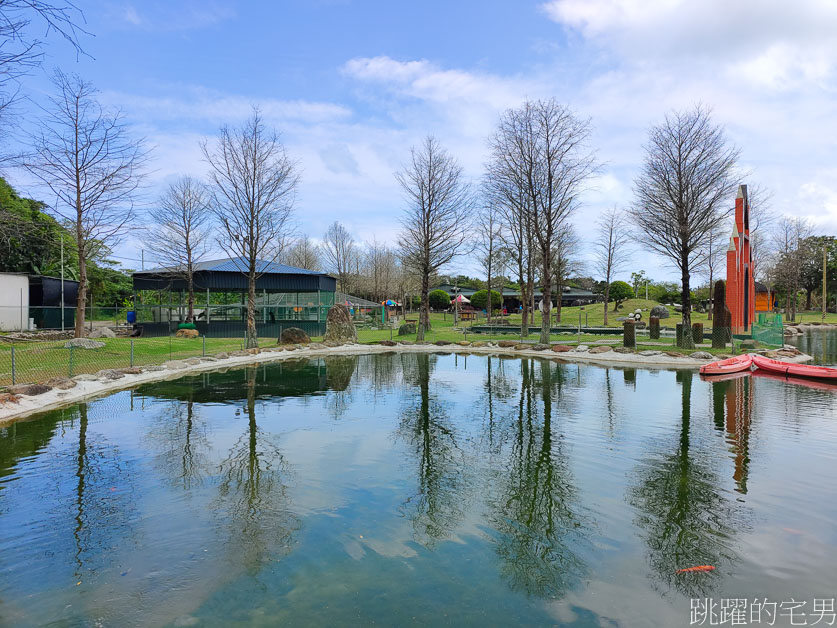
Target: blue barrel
{"type": "Point", "coordinates": [132, 317]}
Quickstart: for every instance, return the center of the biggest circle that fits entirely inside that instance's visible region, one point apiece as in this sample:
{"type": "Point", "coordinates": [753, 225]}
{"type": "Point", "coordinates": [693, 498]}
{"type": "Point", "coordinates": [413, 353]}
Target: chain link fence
{"type": "Point", "coordinates": [40, 361]}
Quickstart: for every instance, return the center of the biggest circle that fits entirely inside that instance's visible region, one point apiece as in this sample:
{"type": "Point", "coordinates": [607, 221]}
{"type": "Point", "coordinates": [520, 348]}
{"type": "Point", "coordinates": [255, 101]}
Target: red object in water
{"type": "Point", "coordinates": [730, 365]}
{"type": "Point", "coordinates": [797, 370]}
{"type": "Point", "coordinates": [694, 569]}
{"type": "Point", "coordinates": [821, 384]}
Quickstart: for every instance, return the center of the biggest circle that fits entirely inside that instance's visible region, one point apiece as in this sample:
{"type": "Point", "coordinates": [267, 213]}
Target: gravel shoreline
{"type": "Point", "coordinates": [90, 386]}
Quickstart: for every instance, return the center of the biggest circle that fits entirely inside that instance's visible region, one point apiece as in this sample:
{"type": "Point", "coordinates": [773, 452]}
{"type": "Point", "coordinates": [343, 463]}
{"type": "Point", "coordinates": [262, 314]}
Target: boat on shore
{"type": "Point", "coordinates": [792, 369]}
{"type": "Point", "coordinates": [736, 364]}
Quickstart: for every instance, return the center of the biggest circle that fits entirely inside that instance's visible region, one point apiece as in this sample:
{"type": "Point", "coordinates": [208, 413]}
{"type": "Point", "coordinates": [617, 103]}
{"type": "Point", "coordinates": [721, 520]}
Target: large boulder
{"type": "Point", "coordinates": [339, 325]}
{"type": "Point", "coordinates": [30, 390]}
{"type": "Point", "coordinates": [187, 333]}
{"type": "Point", "coordinates": [407, 329]}
{"type": "Point", "coordinates": [659, 311]}
{"type": "Point", "coordinates": [102, 332]}
{"type": "Point", "coordinates": [293, 336]}
{"type": "Point", "coordinates": [83, 343]}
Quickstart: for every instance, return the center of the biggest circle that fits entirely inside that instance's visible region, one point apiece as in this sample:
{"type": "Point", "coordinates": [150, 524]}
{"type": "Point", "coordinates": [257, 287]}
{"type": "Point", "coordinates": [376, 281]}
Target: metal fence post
{"type": "Point", "coordinates": [13, 366]}
{"type": "Point", "coordinates": [72, 349]}
{"type": "Point", "coordinates": [204, 346]}
{"type": "Point", "coordinates": [132, 351]}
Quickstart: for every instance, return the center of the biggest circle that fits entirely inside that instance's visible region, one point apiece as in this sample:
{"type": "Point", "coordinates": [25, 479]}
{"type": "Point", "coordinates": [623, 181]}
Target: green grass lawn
{"type": "Point", "coordinates": [40, 361]}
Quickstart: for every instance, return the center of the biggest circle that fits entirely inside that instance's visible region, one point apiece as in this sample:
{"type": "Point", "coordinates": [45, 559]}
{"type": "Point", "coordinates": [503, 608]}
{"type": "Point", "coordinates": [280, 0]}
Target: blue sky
{"type": "Point", "coordinates": [352, 85]}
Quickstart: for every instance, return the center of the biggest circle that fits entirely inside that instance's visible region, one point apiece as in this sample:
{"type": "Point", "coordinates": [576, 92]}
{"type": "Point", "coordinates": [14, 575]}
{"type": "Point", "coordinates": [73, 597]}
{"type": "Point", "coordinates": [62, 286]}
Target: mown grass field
{"type": "Point", "coordinates": [40, 361]}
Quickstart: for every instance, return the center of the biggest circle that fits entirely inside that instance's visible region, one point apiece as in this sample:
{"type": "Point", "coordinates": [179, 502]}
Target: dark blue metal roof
{"type": "Point", "coordinates": [230, 274]}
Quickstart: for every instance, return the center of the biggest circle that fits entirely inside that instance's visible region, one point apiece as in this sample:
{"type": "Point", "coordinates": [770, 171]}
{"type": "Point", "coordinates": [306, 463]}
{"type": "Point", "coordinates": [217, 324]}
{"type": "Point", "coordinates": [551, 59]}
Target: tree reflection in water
{"type": "Point", "coordinates": [536, 514]}
{"type": "Point", "coordinates": [180, 435]}
{"type": "Point", "coordinates": [438, 504]}
{"type": "Point", "coordinates": [253, 495]}
{"type": "Point", "coordinates": [684, 517]}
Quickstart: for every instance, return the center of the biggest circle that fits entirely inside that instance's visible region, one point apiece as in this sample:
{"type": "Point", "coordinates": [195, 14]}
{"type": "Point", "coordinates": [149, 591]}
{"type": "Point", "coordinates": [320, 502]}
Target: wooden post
{"type": "Point", "coordinates": [629, 334]}
{"type": "Point", "coordinates": [654, 328]}
{"type": "Point", "coordinates": [697, 332]}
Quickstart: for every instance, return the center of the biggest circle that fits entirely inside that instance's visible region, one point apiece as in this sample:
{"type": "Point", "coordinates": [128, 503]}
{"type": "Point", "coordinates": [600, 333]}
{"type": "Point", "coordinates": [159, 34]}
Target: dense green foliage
{"type": "Point", "coordinates": [480, 299]}
{"type": "Point", "coordinates": [30, 242]}
{"type": "Point", "coordinates": [439, 300]}
{"type": "Point", "coordinates": [620, 291]}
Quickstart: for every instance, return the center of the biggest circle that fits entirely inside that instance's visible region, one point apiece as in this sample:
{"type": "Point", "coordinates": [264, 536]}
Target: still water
{"type": "Point", "coordinates": [418, 489]}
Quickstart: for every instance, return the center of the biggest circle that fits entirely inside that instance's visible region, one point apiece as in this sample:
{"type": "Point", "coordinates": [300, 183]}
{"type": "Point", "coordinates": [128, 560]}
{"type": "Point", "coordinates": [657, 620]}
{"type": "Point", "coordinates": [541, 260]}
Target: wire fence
{"type": "Point", "coordinates": [24, 362]}
{"type": "Point", "coordinates": [768, 329]}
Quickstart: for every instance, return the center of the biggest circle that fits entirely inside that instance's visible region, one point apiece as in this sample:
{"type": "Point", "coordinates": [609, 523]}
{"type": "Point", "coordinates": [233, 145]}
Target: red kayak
{"type": "Point", "coordinates": [799, 381]}
{"type": "Point", "coordinates": [736, 364]}
{"type": "Point", "coordinates": [797, 370]}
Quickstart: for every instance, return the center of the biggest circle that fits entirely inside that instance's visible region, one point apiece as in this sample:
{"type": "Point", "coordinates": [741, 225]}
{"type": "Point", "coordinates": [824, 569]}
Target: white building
{"type": "Point", "coordinates": [14, 302]}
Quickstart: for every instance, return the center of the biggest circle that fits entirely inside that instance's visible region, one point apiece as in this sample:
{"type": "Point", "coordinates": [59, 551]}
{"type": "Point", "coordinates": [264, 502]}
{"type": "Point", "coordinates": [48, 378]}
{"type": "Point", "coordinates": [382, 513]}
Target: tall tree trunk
{"type": "Point", "coordinates": [606, 298]}
{"type": "Point", "coordinates": [709, 313]}
{"type": "Point", "coordinates": [424, 311]}
{"type": "Point", "coordinates": [546, 302]}
{"type": "Point", "coordinates": [524, 296]}
{"type": "Point", "coordinates": [687, 341]}
{"type": "Point", "coordinates": [808, 293]}
{"type": "Point", "coordinates": [252, 335]}
{"type": "Point", "coordinates": [81, 299]}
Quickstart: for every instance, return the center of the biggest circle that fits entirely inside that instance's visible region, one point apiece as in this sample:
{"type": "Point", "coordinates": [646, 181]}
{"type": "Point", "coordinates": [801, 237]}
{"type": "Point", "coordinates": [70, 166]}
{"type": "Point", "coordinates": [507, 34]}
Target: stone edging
{"type": "Point", "coordinates": [88, 387]}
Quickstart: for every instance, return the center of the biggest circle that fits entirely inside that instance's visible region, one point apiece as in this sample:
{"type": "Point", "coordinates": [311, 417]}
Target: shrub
{"type": "Point", "coordinates": [439, 300]}
{"type": "Point", "coordinates": [620, 291]}
{"type": "Point", "coordinates": [186, 326]}
{"type": "Point", "coordinates": [480, 300]}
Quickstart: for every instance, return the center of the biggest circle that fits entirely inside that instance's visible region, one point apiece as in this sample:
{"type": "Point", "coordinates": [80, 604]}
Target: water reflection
{"type": "Point", "coordinates": [488, 488]}
{"type": "Point", "coordinates": [684, 517]}
{"type": "Point", "coordinates": [732, 411]}
{"type": "Point", "coordinates": [253, 495]}
{"type": "Point", "coordinates": [438, 504]}
{"type": "Point", "coordinates": [536, 516]}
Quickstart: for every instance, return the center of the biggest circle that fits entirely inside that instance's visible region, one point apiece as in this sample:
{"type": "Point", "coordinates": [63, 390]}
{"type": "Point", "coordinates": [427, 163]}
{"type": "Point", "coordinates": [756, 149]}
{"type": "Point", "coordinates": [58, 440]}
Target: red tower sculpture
{"type": "Point", "coordinates": [741, 290]}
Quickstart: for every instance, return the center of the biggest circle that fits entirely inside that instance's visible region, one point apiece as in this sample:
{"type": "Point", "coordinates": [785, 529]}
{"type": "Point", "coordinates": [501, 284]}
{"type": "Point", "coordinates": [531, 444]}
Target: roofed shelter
{"type": "Point", "coordinates": [286, 296]}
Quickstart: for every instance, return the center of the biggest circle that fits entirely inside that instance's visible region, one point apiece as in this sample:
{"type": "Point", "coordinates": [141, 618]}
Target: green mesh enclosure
{"type": "Point", "coordinates": [768, 329]}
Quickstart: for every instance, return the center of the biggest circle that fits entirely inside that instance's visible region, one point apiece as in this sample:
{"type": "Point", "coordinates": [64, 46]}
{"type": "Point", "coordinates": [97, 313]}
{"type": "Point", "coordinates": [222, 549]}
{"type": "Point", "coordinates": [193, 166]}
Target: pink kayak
{"type": "Point", "coordinates": [796, 370]}
{"type": "Point", "coordinates": [735, 364]}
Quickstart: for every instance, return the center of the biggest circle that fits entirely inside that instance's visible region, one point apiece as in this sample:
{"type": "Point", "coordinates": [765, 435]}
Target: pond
{"type": "Point", "coordinates": [418, 489]}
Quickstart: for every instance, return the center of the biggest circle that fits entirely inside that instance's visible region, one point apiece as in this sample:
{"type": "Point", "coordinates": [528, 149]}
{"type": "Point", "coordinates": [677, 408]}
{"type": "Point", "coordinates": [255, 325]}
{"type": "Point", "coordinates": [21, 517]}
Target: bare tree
{"type": "Point", "coordinates": [254, 191]}
{"type": "Point", "coordinates": [565, 262]}
{"type": "Point", "coordinates": [88, 159]}
{"type": "Point", "coordinates": [541, 150]}
{"type": "Point", "coordinates": [714, 256]}
{"type": "Point", "coordinates": [762, 219]}
{"type": "Point", "coordinates": [340, 253]}
{"type": "Point", "coordinates": [492, 253]}
{"type": "Point", "coordinates": [792, 251]}
{"type": "Point", "coordinates": [612, 252]}
{"type": "Point", "coordinates": [682, 192]}
{"type": "Point", "coordinates": [179, 232]}
{"type": "Point", "coordinates": [436, 220]}
{"type": "Point", "coordinates": [379, 270]}
{"type": "Point", "coordinates": [303, 253]}
{"type": "Point", "coordinates": [20, 53]}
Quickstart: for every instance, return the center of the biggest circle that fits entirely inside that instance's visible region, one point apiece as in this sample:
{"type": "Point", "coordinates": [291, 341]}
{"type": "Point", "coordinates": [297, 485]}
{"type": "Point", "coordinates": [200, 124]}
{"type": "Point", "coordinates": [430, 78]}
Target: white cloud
{"type": "Point", "coordinates": [172, 16]}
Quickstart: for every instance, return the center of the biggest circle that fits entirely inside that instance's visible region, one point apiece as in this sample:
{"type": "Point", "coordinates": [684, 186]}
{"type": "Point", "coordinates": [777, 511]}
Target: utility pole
{"type": "Point", "coordinates": [62, 283]}
{"type": "Point", "coordinates": [142, 255]}
{"type": "Point", "coordinates": [824, 270]}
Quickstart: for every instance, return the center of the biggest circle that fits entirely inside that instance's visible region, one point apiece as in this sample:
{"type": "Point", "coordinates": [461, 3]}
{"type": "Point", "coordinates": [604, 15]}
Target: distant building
{"type": "Point", "coordinates": [511, 296]}
{"type": "Point", "coordinates": [30, 302]}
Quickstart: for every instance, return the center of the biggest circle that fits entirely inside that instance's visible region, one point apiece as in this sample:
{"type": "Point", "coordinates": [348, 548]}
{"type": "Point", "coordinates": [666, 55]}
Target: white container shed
{"type": "Point", "coordinates": [14, 302]}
